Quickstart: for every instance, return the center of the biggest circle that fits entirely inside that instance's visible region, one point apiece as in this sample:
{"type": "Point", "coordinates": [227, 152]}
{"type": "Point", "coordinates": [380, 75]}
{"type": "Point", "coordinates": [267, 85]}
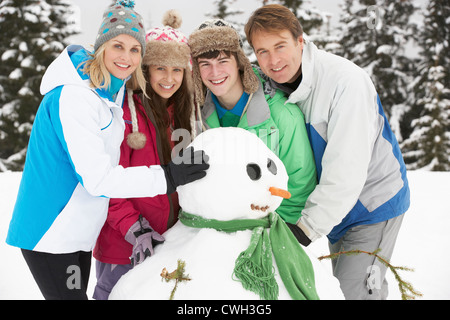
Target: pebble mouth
{"type": "Point", "coordinates": [255, 207]}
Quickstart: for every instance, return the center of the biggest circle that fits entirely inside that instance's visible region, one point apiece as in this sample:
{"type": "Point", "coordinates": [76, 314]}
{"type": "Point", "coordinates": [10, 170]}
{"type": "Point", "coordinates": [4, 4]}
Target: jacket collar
{"type": "Point", "coordinates": [110, 93]}
{"type": "Point", "coordinates": [257, 112]}
{"type": "Point", "coordinates": [63, 71]}
{"type": "Point", "coordinates": [305, 87]}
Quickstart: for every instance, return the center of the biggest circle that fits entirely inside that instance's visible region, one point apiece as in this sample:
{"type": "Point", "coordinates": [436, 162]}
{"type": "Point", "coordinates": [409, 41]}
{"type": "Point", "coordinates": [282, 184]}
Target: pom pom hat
{"type": "Point", "coordinates": [121, 19]}
{"type": "Point", "coordinates": [165, 46]}
{"type": "Point", "coordinates": [168, 46]}
{"type": "Point", "coordinates": [218, 34]}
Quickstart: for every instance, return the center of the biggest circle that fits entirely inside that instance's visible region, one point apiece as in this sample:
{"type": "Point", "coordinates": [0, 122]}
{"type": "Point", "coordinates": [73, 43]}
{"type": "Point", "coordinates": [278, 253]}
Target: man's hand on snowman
{"type": "Point", "coordinates": [187, 167]}
{"type": "Point", "coordinates": [144, 239]}
{"type": "Point", "coordinates": [299, 234]}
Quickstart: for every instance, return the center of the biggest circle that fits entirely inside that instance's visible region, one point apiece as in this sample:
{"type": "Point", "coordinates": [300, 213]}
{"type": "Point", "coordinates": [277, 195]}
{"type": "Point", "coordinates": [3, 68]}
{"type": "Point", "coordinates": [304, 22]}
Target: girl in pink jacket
{"type": "Point", "coordinates": [152, 119]}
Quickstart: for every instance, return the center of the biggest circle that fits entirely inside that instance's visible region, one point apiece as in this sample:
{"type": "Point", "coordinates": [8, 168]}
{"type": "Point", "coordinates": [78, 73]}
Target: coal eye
{"type": "Point", "coordinates": [253, 171]}
{"type": "Point", "coordinates": [271, 166]}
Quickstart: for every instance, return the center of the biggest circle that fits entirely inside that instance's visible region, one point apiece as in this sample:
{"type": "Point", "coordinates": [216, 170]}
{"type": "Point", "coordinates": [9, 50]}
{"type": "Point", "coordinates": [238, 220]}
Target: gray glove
{"type": "Point", "coordinates": [144, 239]}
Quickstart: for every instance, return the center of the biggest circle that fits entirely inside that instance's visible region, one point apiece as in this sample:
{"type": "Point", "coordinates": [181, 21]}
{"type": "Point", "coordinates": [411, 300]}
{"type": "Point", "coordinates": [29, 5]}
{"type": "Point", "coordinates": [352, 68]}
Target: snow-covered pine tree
{"type": "Point", "coordinates": [315, 23]}
{"type": "Point", "coordinates": [428, 146]}
{"type": "Point", "coordinates": [33, 34]}
{"type": "Point", "coordinates": [225, 10]}
{"type": "Point", "coordinates": [375, 35]}
{"type": "Point", "coordinates": [309, 16]}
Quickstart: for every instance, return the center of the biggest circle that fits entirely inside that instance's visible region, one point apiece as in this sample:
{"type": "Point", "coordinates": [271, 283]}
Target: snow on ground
{"type": "Point", "coordinates": [422, 243]}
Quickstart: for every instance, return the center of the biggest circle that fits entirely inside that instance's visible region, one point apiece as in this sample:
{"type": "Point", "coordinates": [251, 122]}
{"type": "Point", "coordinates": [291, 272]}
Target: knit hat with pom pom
{"type": "Point", "coordinates": [168, 46]}
{"type": "Point", "coordinates": [121, 19]}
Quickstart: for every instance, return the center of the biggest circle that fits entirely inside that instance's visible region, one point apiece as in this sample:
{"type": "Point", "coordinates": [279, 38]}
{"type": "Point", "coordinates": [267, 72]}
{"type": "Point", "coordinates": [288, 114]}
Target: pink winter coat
{"type": "Point", "coordinates": [161, 211]}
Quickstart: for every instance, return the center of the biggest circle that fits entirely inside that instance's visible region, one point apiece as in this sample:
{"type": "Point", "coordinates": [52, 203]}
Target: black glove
{"type": "Point", "coordinates": [189, 166]}
{"type": "Point", "coordinates": [299, 234]}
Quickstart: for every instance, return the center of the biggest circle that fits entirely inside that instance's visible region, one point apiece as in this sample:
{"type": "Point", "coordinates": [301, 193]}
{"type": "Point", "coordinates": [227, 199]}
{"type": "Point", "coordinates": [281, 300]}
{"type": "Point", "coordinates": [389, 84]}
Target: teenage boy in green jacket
{"type": "Point", "coordinates": [231, 94]}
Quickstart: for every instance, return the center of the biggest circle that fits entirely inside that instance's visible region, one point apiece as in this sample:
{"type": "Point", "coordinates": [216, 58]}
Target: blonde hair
{"type": "Point", "coordinates": [100, 76]}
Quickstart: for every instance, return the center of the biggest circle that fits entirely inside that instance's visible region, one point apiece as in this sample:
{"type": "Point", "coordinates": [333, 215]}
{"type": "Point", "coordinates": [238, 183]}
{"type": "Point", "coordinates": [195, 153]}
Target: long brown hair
{"type": "Point", "coordinates": [183, 106]}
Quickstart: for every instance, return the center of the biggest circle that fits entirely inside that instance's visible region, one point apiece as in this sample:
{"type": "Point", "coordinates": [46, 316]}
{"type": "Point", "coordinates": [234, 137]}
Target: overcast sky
{"type": "Point", "coordinates": [192, 11]}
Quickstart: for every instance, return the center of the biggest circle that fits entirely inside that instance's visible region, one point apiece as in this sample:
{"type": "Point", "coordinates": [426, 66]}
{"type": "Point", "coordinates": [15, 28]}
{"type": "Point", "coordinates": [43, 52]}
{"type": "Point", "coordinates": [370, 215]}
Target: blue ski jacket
{"type": "Point", "coordinates": [71, 168]}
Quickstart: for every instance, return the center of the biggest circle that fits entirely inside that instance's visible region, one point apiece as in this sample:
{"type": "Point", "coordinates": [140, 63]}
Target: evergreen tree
{"type": "Point", "coordinates": [375, 34]}
{"type": "Point", "coordinates": [326, 37]}
{"type": "Point", "coordinates": [33, 34]}
{"type": "Point", "coordinates": [309, 16]}
{"type": "Point", "coordinates": [315, 23]}
{"type": "Point", "coordinates": [224, 10]}
{"type": "Point", "coordinates": [312, 20]}
{"type": "Point", "coordinates": [428, 146]}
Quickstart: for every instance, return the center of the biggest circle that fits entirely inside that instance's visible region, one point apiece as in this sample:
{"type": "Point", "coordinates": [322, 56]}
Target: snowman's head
{"type": "Point", "coordinates": [240, 181]}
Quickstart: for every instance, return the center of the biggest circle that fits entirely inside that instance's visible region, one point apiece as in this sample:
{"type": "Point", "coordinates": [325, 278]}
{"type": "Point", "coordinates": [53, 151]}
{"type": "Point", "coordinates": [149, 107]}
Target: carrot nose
{"type": "Point", "coordinates": [280, 192]}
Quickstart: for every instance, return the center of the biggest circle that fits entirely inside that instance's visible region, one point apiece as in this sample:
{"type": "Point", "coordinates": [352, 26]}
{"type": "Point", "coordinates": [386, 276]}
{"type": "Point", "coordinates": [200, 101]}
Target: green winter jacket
{"type": "Point", "coordinates": [282, 128]}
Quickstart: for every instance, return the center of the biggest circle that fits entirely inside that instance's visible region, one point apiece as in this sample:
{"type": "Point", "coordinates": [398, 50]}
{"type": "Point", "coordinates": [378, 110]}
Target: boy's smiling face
{"type": "Point", "coordinates": [221, 76]}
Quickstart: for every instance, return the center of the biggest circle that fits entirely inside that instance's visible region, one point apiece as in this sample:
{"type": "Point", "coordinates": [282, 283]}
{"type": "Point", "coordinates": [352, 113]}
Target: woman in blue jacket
{"type": "Point", "coordinates": [71, 169]}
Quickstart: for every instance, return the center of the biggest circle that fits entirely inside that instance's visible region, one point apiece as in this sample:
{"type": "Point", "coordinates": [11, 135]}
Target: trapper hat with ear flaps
{"type": "Point", "coordinates": [219, 35]}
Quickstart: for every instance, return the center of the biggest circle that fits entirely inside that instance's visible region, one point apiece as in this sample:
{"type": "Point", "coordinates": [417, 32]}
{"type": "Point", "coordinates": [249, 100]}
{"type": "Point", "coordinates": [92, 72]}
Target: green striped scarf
{"type": "Point", "coordinates": [253, 267]}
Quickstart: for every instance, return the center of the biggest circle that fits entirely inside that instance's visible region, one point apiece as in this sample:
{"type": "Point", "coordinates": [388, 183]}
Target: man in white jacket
{"type": "Point", "coordinates": [363, 189]}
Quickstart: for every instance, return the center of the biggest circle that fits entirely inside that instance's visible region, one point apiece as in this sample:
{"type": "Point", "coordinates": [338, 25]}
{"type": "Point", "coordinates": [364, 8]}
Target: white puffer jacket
{"type": "Point", "coordinates": [362, 175]}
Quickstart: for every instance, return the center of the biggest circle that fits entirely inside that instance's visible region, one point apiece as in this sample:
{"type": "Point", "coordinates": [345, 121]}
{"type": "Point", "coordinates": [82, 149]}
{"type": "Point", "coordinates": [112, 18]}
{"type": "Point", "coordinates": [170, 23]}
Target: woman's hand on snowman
{"type": "Point", "coordinates": [187, 167]}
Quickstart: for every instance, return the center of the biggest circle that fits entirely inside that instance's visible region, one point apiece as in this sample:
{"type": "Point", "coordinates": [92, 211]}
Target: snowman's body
{"type": "Point", "coordinates": [209, 256]}
{"type": "Point", "coordinates": [237, 185]}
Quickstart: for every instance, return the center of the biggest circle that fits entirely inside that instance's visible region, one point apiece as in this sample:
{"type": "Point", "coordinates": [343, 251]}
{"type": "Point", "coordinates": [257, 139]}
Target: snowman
{"type": "Point", "coordinates": [231, 240]}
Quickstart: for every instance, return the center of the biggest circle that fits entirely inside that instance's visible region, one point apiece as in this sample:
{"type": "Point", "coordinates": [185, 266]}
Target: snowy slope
{"type": "Point", "coordinates": [422, 244]}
